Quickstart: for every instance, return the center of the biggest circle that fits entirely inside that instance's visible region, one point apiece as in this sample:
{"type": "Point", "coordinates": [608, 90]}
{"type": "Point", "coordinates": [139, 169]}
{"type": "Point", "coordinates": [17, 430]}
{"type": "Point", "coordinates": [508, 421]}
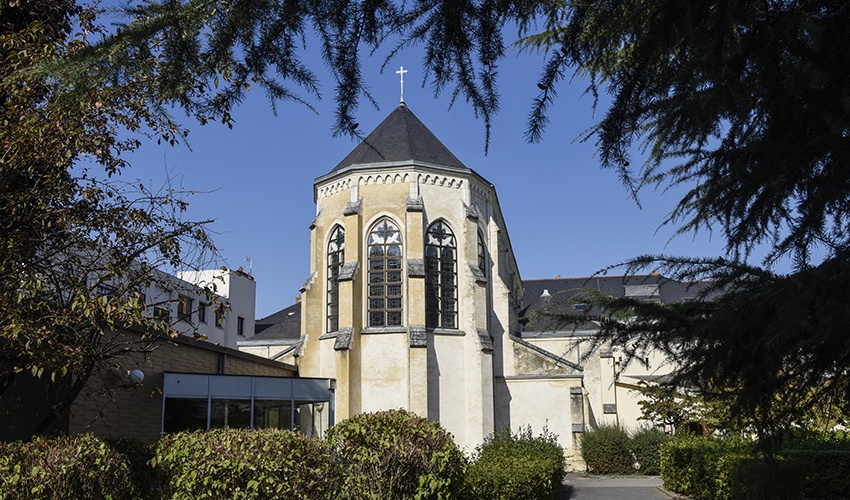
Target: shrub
{"type": "Point", "coordinates": [689, 465]}
{"type": "Point", "coordinates": [645, 446]}
{"type": "Point", "coordinates": [397, 454]}
{"type": "Point", "coordinates": [606, 451]}
{"type": "Point", "coordinates": [740, 475]}
{"type": "Point", "coordinates": [78, 466]}
{"type": "Point", "coordinates": [138, 456]}
{"type": "Point", "coordinates": [244, 463]}
{"type": "Point", "coordinates": [825, 471]}
{"type": "Point", "coordinates": [518, 466]}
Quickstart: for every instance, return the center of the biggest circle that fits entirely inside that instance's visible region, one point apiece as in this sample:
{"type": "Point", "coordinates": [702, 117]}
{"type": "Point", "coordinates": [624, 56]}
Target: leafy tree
{"type": "Point", "coordinates": [743, 103]}
{"type": "Point", "coordinates": [668, 405]}
{"type": "Point", "coordinates": [79, 250]}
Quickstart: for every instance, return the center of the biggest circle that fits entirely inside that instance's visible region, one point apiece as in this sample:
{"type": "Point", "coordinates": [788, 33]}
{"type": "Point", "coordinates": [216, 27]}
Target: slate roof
{"type": "Point", "coordinates": [282, 325]}
{"type": "Point", "coordinates": [561, 290]}
{"type": "Point", "coordinates": [401, 137]}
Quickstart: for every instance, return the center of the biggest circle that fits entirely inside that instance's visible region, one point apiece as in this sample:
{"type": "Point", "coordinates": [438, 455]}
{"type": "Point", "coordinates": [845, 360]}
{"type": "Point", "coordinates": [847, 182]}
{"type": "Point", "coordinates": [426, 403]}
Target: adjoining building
{"type": "Point", "coordinates": [179, 383]}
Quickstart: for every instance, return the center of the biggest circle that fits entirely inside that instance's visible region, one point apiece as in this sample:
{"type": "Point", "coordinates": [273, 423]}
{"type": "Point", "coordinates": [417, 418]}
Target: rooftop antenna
{"type": "Point", "coordinates": [401, 71]}
{"type": "Point", "coordinates": [250, 262]}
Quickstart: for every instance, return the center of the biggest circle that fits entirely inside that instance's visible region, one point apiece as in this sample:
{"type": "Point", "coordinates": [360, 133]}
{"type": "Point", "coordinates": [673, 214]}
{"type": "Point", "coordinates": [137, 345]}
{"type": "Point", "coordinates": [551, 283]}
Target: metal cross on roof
{"type": "Point", "coordinates": [401, 71]}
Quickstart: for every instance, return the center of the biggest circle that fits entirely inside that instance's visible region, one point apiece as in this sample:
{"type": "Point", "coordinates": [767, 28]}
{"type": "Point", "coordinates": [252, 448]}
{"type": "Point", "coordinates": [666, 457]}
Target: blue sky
{"type": "Point", "coordinates": [565, 215]}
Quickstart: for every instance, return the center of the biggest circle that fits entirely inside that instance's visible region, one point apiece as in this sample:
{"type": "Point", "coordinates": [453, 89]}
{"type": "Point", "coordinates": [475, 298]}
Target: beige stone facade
{"type": "Point", "coordinates": [442, 373]}
{"type": "Point", "coordinates": [482, 372]}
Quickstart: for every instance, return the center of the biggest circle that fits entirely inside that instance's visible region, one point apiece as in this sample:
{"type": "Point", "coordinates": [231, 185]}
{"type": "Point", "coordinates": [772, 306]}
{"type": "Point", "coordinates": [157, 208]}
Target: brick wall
{"type": "Point", "coordinates": [112, 406]}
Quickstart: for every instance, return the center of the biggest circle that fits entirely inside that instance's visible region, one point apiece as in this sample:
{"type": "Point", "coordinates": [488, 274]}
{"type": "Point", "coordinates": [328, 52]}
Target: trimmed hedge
{"type": "Point", "coordinates": [397, 454]}
{"type": "Point", "coordinates": [717, 469]}
{"type": "Point", "coordinates": [69, 467]}
{"type": "Point", "coordinates": [519, 466]}
{"type": "Point", "coordinates": [607, 450]}
{"type": "Point", "coordinates": [243, 463]}
{"type": "Point", "coordinates": [826, 473]}
{"type": "Point", "coordinates": [645, 446]}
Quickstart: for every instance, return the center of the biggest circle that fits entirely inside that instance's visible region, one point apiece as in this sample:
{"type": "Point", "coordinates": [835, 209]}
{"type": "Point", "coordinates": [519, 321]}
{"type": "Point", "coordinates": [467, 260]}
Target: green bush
{"type": "Point", "coordinates": [744, 476]}
{"type": "Point", "coordinates": [517, 466]}
{"type": "Point", "coordinates": [726, 469]}
{"type": "Point", "coordinates": [606, 451]}
{"type": "Point", "coordinates": [243, 463]}
{"type": "Point", "coordinates": [689, 465]}
{"type": "Point", "coordinates": [397, 454]}
{"type": "Point", "coordinates": [826, 472]}
{"type": "Point", "coordinates": [645, 446]}
{"type": "Point", "coordinates": [70, 467]}
{"type": "Point", "coordinates": [138, 455]}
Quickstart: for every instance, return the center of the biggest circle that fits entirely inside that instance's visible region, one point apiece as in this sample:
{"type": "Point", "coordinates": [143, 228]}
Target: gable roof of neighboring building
{"type": "Point", "coordinates": [554, 296]}
{"type": "Point", "coordinates": [282, 325]}
{"type": "Point", "coordinates": [401, 137]}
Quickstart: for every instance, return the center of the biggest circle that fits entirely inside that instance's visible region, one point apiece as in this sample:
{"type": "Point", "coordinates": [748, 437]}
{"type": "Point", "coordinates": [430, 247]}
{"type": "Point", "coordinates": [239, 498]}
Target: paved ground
{"type": "Point", "coordinates": [578, 487]}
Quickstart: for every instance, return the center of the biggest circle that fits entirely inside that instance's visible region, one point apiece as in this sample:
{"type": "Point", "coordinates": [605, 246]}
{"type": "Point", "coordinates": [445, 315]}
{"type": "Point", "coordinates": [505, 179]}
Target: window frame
{"type": "Point", "coordinates": [384, 270]}
{"type": "Point", "coordinates": [441, 298]}
{"type": "Point", "coordinates": [335, 259]}
{"type": "Point", "coordinates": [184, 308]}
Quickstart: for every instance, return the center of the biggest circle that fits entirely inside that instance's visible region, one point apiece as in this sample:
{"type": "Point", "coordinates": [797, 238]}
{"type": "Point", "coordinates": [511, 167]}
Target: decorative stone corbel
{"type": "Point", "coordinates": [343, 338]}
{"type": "Point", "coordinates": [313, 222]}
{"type": "Point", "coordinates": [414, 204]}
{"type": "Point", "coordinates": [416, 335]}
{"type": "Point", "coordinates": [471, 212]}
{"type": "Point", "coordinates": [477, 274]}
{"type": "Point", "coordinates": [353, 207]}
{"type": "Point", "coordinates": [416, 268]}
{"type": "Point", "coordinates": [308, 282]}
{"type": "Point", "coordinates": [348, 271]}
{"type": "Point", "coordinates": [485, 340]}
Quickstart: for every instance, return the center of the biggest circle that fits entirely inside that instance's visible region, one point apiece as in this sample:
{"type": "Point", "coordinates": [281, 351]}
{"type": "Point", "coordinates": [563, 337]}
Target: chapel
{"type": "Point", "coordinates": [414, 300]}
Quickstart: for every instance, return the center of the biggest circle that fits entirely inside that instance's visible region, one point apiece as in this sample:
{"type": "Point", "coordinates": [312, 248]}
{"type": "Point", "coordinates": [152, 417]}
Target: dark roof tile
{"type": "Point", "coordinates": [400, 137]}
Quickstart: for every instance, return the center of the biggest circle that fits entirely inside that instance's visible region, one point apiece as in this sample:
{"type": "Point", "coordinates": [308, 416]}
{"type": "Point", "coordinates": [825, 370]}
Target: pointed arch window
{"type": "Point", "coordinates": [336, 258]}
{"type": "Point", "coordinates": [482, 254]}
{"type": "Point", "coordinates": [440, 277]}
{"type": "Point", "coordinates": [385, 274]}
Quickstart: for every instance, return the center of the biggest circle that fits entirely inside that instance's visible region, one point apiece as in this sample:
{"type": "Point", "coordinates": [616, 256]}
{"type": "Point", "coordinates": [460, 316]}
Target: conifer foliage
{"type": "Point", "coordinates": [745, 104]}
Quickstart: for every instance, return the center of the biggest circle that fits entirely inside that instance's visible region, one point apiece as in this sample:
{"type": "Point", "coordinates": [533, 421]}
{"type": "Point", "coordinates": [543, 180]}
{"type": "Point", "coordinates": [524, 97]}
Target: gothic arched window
{"type": "Point", "coordinates": [336, 258]}
{"type": "Point", "coordinates": [440, 277]}
{"type": "Point", "coordinates": [482, 254]}
{"type": "Point", "coordinates": [385, 254]}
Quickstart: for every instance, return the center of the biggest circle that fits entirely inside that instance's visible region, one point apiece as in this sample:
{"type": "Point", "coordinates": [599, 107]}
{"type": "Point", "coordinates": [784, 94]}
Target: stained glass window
{"type": "Point", "coordinates": [440, 277]}
{"type": "Point", "coordinates": [482, 254]}
{"type": "Point", "coordinates": [385, 274]}
{"type": "Point", "coordinates": [336, 258]}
